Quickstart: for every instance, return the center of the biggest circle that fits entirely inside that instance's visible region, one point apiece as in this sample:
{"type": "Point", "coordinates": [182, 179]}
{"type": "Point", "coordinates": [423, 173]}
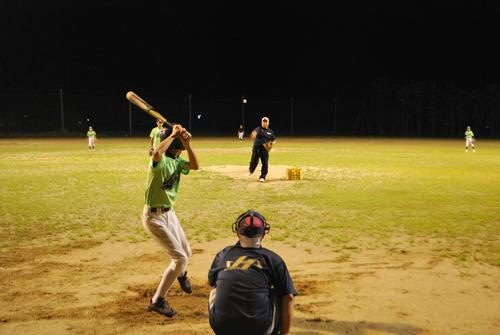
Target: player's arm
{"type": "Point", "coordinates": [193, 164]}
{"type": "Point", "coordinates": [253, 135]}
{"type": "Point", "coordinates": [215, 268]}
{"type": "Point", "coordinates": [163, 146]}
{"type": "Point", "coordinates": [286, 313]}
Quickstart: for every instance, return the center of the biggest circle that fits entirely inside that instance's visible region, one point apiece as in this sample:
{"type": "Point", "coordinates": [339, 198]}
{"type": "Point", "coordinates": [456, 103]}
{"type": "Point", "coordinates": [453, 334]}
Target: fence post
{"type": "Point", "coordinates": [61, 104]}
{"type": "Point", "coordinates": [335, 115]}
{"type": "Point", "coordinates": [190, 112]}
{"type": "Point", "coordinates": [129, 119]}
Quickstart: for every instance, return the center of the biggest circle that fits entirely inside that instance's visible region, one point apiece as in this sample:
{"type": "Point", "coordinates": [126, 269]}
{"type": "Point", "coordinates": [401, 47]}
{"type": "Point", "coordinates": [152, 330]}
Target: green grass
{"type": "Point", "coordinates": [357, 193]}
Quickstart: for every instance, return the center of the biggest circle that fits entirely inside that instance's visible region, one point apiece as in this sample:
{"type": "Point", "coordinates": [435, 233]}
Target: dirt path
{"type": "Point", "coordinates": [104, 288]}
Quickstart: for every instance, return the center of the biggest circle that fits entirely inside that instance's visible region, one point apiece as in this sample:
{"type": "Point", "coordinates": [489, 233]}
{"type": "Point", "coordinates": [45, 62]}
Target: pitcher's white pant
{"type": "Point", "coordinates": [91, 141]}
{"type": "Point", "coordinates": [167, 230]}
{"type": "Point", "coordinates": [469, 142]}
{"type": "Point", "coordinates": [240, 135]}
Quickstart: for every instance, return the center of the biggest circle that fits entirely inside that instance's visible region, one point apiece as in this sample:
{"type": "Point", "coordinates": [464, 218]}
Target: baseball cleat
{"type": "Point", "coordinates": [185, 283]}
{"type": "Point", "coordinates": [262, 180]}
{"type": "Point", "coordinates": [162, 307]}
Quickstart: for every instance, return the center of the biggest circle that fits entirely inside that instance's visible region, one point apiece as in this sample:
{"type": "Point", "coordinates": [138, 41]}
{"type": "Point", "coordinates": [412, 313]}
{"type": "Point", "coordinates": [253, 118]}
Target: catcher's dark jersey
{"type": "Point", "coordinates": [264, 135]}
{"type": "Point", "coordinates": [246, 279]}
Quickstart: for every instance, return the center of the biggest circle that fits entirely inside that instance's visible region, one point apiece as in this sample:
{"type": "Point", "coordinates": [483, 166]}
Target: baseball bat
{"type": "Point", "coordinates": [142, 104]}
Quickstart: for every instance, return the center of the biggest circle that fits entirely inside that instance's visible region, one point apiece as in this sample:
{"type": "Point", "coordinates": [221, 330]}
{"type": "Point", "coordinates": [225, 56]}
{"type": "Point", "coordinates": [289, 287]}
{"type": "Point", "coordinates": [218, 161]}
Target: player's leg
{"type": "Point", "coordinates": [181, 237]}
{"type": "Point", "coordinates": [466, 144]}
{"type": "Point", "coordinates": [158, 226]}
{"type": "Point", "coordinates": [264, 159]}
{"type": "Point", "coordinates": [90, 143]}
{"type": "Point", "coordinates": [212, 319]}
{"type": "Point", "coordinates": [275, 327]}
{"type": "Point", "coordinates": [254, 161]}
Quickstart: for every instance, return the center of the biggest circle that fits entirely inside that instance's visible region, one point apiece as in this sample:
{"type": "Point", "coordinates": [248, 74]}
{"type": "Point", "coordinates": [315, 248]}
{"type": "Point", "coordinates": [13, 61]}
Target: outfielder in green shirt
{"type": "Point", "coordinates": [155, 136]}
{"type": "Point", "coordinates": [468, 133]}
{"type": "Point", "coordinates": [91, 136]}
{"type": "Point", "coordinates": [469, 140]}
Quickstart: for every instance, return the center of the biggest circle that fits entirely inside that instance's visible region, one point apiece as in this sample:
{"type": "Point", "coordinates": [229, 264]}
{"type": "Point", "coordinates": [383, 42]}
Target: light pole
{"type": "Point", "coordinates": [243, 103]}
{"type": "Point", "coordinates": [403, 117]}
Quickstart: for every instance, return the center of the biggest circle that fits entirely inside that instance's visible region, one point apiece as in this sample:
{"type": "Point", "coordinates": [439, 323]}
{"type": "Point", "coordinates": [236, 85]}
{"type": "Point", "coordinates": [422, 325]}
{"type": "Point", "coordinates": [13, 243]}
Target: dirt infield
{"type": "Point", "coordinates": [92, 288]}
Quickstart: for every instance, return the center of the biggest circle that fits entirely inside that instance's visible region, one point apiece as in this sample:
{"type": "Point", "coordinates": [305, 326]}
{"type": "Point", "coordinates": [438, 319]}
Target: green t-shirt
{"type": "Point", "coordinates": [155, 135]}
{"type": "Point", "coordinates": [163, 181]}
{"type": "Point", "coordinates": [469, 134]}
{"type": "Point", "coordinates": [91, 133]}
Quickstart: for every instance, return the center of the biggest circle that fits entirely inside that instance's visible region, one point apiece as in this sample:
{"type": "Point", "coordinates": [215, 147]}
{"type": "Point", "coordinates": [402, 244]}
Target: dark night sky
{"type": "Point", "coordinates": [259, 48]}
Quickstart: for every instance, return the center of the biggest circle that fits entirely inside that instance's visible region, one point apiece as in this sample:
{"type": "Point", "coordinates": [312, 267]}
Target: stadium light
{"type": "Point", "coordinates": [243, 103]}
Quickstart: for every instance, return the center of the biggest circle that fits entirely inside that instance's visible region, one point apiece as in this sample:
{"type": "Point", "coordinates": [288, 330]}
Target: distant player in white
{"type": "Point", "coordinates": [469, 140]}
{"type": "Point", "coordinates": [241, 132]}
{"type": "Point", "coordinates": [91, 135]}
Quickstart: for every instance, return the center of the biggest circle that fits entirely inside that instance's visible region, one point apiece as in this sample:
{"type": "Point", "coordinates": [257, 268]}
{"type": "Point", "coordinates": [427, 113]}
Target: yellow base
{"type": "Point", "coordinates": [294, 173]}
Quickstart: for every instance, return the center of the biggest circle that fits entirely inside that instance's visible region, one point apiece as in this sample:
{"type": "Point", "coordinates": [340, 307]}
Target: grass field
{"type": "Point", "coordinates": [55, 191]}
{"type": "Point", "coordinates": [416, 219]}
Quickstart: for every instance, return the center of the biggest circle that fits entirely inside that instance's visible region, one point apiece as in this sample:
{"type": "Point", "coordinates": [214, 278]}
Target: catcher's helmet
{"type": "Point", "coordinates": [250, 224]}
{"type": "Point", "coordinates": [176, 144]}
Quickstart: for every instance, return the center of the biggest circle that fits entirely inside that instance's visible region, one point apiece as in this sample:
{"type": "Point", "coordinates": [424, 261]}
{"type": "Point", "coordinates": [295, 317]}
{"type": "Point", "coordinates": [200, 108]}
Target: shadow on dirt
{"type": "Point", "coordinates": [317, 326]}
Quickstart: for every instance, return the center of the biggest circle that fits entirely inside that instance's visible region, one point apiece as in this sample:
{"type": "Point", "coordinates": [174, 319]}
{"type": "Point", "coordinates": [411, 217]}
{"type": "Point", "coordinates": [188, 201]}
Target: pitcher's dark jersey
{"type": "Point", "coordinates": [264, 135]}
{"type": "Point", "coordinates": [246, 279]}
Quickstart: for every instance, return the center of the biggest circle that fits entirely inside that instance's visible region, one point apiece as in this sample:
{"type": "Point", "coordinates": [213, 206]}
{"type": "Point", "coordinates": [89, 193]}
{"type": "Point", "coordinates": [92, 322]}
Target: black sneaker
{"type": "Point", "coordinates": [162, 307]}
{"type": "Point", "coordinates": [185, 283]}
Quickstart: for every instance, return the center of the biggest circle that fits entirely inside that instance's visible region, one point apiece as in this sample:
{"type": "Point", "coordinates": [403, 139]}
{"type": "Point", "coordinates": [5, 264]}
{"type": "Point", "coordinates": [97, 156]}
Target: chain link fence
{"type": "Point", "coordinates": [70, 114]}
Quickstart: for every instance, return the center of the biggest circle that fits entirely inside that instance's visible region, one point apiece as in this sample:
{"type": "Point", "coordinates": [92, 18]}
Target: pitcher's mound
{"type": "Point", "coordinates": [275, 173]}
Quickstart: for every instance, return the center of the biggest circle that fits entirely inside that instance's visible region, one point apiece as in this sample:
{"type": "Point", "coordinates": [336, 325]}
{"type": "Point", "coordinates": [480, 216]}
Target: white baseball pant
{"type": "Point", "coordinates": [469, 142]}
{"type": "Point", "coordinates": [167, 231]}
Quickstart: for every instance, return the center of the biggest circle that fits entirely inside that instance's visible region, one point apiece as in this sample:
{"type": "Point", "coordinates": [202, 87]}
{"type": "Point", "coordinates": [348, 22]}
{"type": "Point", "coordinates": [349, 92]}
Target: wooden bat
{"type": "Point", "coordinates": [139, 102]}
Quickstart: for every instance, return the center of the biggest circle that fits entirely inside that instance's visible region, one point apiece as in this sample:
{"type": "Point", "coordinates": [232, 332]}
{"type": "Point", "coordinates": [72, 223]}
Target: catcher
{"type": "Point", "coordinates": [253, 291]}
{"type": "Point", "coordinates": [159, 218]}
{"type": "Point", "coordinates": [264, 139]}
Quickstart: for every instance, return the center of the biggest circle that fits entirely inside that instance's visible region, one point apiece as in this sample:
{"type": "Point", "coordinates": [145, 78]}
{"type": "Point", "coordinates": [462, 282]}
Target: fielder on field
{"type": "Point", "coordinates": [469, 140]}
{"type": "Point", "coordinates": [155, 136]}
{"type": "Point", "coordinates": [262, 136]}
{"type": "Point", "coordinates": [253, 291]}
{"type": "Point", "coordinates": [241, 132]}
{"type": "Point", "coordinates": [91, 136]}
{"type": "Point", "coordinates": [158, 217]}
